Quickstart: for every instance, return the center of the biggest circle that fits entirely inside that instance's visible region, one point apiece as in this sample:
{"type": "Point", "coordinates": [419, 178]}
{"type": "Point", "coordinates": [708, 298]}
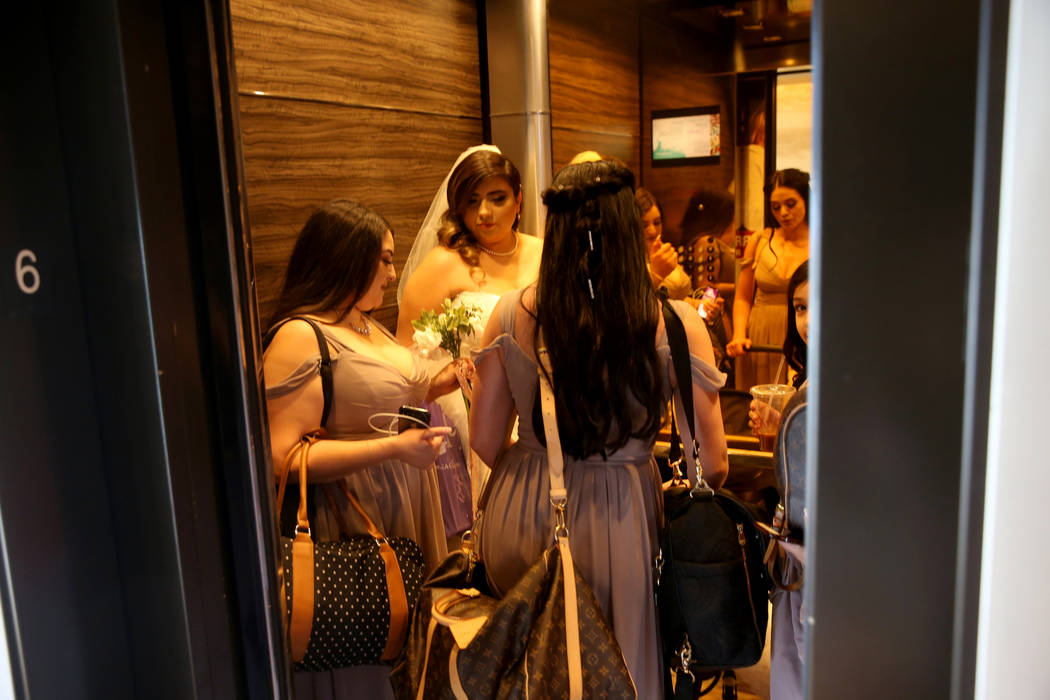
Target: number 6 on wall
{"type": "Point", "coordinates": [27, 276]}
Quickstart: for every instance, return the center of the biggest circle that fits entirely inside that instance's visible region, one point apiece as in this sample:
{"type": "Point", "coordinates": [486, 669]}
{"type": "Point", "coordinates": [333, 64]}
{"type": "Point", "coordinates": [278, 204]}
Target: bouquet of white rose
{"type": "Point", "coordinates": [447, 329]}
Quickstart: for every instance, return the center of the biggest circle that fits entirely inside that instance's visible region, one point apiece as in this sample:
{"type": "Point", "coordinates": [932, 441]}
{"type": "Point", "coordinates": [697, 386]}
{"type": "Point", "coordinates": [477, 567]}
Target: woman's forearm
{"type": "Point", "coordinates": [741, 313]}
{"type": "Point", "coordinates": [330, 460]}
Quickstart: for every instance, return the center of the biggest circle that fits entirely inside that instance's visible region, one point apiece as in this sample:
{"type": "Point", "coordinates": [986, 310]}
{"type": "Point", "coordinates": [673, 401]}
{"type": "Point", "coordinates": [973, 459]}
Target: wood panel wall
{"type": "Point", "coordinates": [356, 98]}
{"type": "Point", "coordinates": [671, 80]}
{"type": "Point", "coordinates": [606, 78]}
{"type": "Point", "coordinates": [593, 54]}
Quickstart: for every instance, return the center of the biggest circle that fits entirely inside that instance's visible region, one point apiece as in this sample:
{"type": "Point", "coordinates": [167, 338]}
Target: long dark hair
{"type": "Point", "coordinates": [601, 345]}
{"type": "Point", "coordinates": [471, 172]}
{"type": "Point", "coordinates": [334, 260]}
{"type": "Point", "coordinates": [794, 346]}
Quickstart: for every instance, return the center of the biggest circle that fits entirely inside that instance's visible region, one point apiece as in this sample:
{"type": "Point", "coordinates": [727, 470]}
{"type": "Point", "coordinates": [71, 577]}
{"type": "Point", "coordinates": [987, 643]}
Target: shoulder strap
{"type": "Point", "coordinates": [679, 345]}
{"type": "Point", "coordinates": [555, 458]}
{"type": "Point", "coordinates": [326, 360]}
{"type": "Point", "coordinates": [558, 499]}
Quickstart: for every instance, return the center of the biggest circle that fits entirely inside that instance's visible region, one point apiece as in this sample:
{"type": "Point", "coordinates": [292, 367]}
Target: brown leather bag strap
{"type": "Point", "coordinates": [289, 460]}
{"type": "Point", "coordinates": [369, 525]}
{"type": "Point", "coordinates": [395, 587]}
{"type": "Point", "coordinates": [395, 582]}
{"type": "Point", "coordinates": [302, 565]}
{"type": "Point", "coordinates": [282, 476]}
{"type": "Point", "coordinates": [558, 499]}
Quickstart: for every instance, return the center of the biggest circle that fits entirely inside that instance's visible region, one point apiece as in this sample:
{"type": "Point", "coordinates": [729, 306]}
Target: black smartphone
{"type": "Point", "coordinates": [421, 415]}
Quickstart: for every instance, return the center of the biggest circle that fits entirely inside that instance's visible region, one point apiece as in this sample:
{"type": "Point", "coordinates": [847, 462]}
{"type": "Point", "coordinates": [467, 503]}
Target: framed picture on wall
{"type": "Point", "coordinates": [689, 136]}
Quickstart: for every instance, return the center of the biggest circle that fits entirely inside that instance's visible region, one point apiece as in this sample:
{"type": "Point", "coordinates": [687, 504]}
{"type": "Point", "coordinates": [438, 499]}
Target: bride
{"type": "Point", "coordinates": [468, 250]}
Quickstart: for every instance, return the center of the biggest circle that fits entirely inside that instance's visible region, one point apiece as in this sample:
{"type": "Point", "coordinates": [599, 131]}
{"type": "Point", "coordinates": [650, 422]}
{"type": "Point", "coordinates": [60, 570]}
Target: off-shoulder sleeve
{"type": "Point", "coordinates": [298, 378]}
{"type": "Point", "coordinates": [706, 376]}
{"type": "Point", "coordinates": [703, 373]}
{"type": "Point", "coordinates": [504, 311]}
{"type": "Point", "coordinates": [763, 237]}
{"type": "Point", "coordinates": [497, 348]}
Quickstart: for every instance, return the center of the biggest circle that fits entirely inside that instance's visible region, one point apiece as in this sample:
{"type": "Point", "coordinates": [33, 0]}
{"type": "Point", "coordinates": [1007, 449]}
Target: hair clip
{"type": "Point", "coordinates": [590, 239]}
{"type": "Point", "coordinates": [590, 286]}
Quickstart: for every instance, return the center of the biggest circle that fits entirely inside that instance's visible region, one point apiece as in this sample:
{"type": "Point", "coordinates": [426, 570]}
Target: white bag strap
{"type": "Point", "coordinates": [558, 497]}
{"type": "Point", "coordinates": [555, 458]}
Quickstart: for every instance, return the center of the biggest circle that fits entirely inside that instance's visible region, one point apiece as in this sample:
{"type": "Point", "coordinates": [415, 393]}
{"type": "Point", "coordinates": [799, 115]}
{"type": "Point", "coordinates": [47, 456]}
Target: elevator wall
{"type": "Point", "coordinates": [594, 78]}
{"type": "Point", "coordinates": [368, 100]}
{"type": "Point", "coordinates": [673, 77]}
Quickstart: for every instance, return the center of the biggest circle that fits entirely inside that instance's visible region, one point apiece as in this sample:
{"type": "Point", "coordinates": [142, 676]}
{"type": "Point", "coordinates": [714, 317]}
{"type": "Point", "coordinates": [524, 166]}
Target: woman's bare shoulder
{"type": "Point", "coordinates": [291, 344]}
{"type": "Point", "coordinates": [440, 270]}
{"type": "Point", "coordinates": [440, 259]}
{"type": "Point", "coordinates": [530, 242]}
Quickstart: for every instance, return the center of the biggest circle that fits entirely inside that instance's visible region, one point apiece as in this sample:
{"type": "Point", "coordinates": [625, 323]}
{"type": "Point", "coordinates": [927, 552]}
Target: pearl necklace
{"type": "Point", "coordinates": [365, 330]}
{"type": "Point", "coordinates": [510, 252]}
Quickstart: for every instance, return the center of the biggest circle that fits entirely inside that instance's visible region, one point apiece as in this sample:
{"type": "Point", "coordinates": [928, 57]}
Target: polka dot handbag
{"type": "Point", "coordinates": [354, 606]}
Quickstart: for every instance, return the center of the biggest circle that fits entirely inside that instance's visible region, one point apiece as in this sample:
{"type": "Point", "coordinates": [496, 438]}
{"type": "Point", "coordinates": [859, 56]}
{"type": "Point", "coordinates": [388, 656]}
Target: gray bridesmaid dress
{"type": "Point", "coordinates": [614, 505]}
{"type": "Point", "coordinates": [403, 501]}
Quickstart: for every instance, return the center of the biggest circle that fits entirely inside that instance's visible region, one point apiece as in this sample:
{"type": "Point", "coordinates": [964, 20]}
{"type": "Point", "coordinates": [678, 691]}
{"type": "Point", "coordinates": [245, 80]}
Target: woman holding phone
{"type": "Point", "coordinates": [341, 264]}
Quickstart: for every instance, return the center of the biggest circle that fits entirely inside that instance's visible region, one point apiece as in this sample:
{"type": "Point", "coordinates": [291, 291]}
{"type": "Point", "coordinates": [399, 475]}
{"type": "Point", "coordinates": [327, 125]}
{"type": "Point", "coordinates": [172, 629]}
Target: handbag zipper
{"type": "Point", "coordinates": [747, 575]}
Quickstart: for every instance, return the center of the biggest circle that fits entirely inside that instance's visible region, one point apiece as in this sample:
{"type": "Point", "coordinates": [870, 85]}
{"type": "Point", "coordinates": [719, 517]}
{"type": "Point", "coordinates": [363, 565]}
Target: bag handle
{"type": "Point", "coordinates": [558, 499]}
{"type": "Point", "coordinates": [395, 582]}
{"type": "Point", "coordinates": [555, 458]}
{"type": "Point", "coordinates": [683, 407]}
{"type": "Point", "coordinates": [301, 624]}
{"type": "Point", "coordinates": [303, 560]}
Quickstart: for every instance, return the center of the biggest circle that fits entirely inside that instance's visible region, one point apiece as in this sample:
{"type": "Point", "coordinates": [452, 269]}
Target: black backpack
{"type": "Point", "coordinates": [712, 589]}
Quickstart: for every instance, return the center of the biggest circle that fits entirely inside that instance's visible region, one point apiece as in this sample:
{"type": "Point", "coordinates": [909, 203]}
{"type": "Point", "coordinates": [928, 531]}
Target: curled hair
{"type": "Point", "coordinates": [794, 346]}
{"type": "Point", "coordinates": [334, 260]}
{"type": "Point", "coordinates": [607, 383]}
{"type": "Point", "coordinates": [471, 172]}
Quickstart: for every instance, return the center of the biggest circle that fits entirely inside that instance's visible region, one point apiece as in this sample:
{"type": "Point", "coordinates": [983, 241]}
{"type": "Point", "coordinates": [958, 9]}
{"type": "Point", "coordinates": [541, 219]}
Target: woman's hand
{"type": "Point", "coordinates": [713, 307]}
{"type": "Point", "coordinates": [762, 414]}
{"type": "Point", "coordinates": [662, 260]}
{"type": "Point", "coordinates": [738, 346]}
{"type": "Point", "coordinates": [447, 379]}
{"type": "Point", "coordinates": [420, 447]}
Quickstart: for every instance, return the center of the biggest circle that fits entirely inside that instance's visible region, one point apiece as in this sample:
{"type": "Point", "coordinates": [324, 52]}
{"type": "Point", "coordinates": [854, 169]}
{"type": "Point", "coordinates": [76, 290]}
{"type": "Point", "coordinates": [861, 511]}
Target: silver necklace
{"type": "Point", "coordinates": [510, 252]}
{"type": "Point", "coordinates": [363, 330]}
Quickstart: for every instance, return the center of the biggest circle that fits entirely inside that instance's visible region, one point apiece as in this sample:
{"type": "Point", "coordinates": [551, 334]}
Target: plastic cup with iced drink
{"type": "Point", "coordinates": [771, 400]}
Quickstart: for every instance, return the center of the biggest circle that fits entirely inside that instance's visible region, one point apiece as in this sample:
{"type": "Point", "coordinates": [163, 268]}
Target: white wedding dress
{"type": "Point", "coordinates": [453, 404]}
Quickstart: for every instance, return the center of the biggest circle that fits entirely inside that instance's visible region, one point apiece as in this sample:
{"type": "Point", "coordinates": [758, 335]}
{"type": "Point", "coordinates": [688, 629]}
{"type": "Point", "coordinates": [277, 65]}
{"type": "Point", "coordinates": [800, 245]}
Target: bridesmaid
{"type": "Point", "coordinates": [340, 266]}
{"type": "Point", "coordinates": [603, 330]}
{"type": "Point", "coordinates": [760, 308]}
